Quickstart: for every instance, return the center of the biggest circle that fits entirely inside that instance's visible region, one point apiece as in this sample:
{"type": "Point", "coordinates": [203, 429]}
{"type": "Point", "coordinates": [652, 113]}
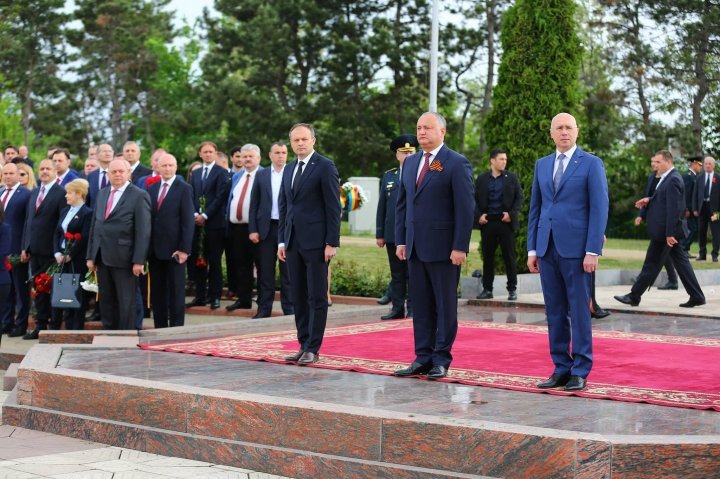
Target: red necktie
{"type": "Point", "coordinates": [162, 195]}
{"type": "Point", "coordinates": [7, 193]}
{"type": "Point", "coordinates": [242, 197]}
{"type": "Point", "coordinates": [58, 180]}
{"type": "Point", "coordinates": [40, 198]}
{"type": "Point", "coordinates": [108, 207]}
{"type": "Point", "coordinates": [425, 168]}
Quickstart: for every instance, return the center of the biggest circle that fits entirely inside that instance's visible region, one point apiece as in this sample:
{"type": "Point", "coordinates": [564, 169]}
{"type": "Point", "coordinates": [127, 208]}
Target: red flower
{"type": "Point", "coordinates": [8, 266]}
{"type": "Point", "coordinates": [151, 179]}
{"type": "Point", "coordinates": [43, 283]}
{"type": "Point", "coordinates": [714, 180]}
{"type": "Point", "coordinates": [200, 262]}
{"type": "Point", "coordinates": [69, 236]}
{"type": "Point", "coordinates": [77, 236]}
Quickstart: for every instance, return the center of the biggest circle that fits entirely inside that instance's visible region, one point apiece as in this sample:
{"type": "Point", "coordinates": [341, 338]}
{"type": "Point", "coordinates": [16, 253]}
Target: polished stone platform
{"type": "Point", "coordinates": [319, 423]}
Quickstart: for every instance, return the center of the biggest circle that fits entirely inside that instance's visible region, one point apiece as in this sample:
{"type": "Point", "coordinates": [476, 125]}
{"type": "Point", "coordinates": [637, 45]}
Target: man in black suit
{"type": "Point", "coordinates": [498, 197]}
{"type": "Point", "coordinates": [210, 188]}
{"type": "Point", "coordinates": [173, 224]}
{"type": "Point", "coordinates": [666, 226]}
{"type": "Point", "coordinates": [403, 146]}
{"type": "Point", "coordinates": [653, 180]}
{"type": "Point", "coordinates": [43, 212]}
{"type": "Point", "coordinates": [240, 268]}
{"type": "Point", "coordinates": [24, 157]}
{"type": "Point", "coordinates": [695, 166]}
{"type": "Point", "coordinates": [98, 179]}
{"type": "Point", "coordinates": [308, 236]}
{"type": "Point", "coordinates": [131, 153]}
{"type": "Point", "coordinates": [263, 226]}
{"type": "Point", "coordinates": [15, 198]}
{"type": "Point", "coordinates": [706, 205]}
{"type": "Point", "coordinates": [65, 174]}
{"type": "Point", "coordinates": [118, 245]}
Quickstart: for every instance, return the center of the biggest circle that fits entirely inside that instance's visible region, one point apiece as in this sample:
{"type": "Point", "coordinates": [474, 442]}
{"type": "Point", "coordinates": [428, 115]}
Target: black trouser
{"type": "Point", "coordinates": [692, 224]}
{"type": "Point", "coordinates": [167, 292]}
{"type": "Point", "coordinates": [43, 311]}
{"type": "Point", "coordinates": [118, 296]}
{"type": "Point", "coordinates": [213, 250]}
{"type": "Point", "coordinates": [308, 276]}
{"type": "Point", "coordinates": [241, 268]}
{"type": "Point", "coordinates": [22, 294]}
{"type": "Point", "coordinates": [493, 233]}
{"type": "Point", "coordinates": [398, 279]}
{"type": "Point", "coordinates": [704, 220]}
{"type": "Point", "coordinates": [229, 263]}
{"type": "Point", "coordinates": [265, 260]}
{"type": "Point", "coordinates": [657, 253]}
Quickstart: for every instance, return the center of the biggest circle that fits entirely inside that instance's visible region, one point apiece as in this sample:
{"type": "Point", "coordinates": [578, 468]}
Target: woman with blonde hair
{"type": "Point", "coordinates": [26, 176]}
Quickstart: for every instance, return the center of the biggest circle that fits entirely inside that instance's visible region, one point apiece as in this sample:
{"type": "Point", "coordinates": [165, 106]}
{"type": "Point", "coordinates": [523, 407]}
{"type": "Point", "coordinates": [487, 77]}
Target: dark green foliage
{"type": "Point", "coordinates": [350, 279]}
{"type": "Point", "coordinates": [537, 79]}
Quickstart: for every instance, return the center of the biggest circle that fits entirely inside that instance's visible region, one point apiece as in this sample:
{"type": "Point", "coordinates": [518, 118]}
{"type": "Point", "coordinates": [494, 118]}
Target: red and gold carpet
{"type": "Point", "coordinates": [657, 369]}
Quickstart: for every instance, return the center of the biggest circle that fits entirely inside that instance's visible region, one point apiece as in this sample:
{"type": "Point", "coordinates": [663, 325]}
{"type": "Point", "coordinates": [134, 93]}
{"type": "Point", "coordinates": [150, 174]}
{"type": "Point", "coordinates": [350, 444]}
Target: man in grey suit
{"type": "Point", "coordinates": [118, 245]}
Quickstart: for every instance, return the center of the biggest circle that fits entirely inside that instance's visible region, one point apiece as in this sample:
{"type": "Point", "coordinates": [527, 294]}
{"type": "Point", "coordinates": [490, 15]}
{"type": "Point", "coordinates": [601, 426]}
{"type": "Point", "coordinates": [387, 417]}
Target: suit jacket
{"type": "Point", "coordinates": [649, 191]}
{"type": "Point", "coordinates": [248, 195]}
{"type": "Point", "coordinates": [575, 215]}
{"type": "Point", "coordinates": [436, 217]}
{"type": "Point", "coordinates": [666, 209]}
{"type": "Point", "coordinates": [387, 201]}
{"type": "Point", "coordinates": [512, 196]}
{"type": "Point", "coordinates": [261, 202]}
{"type": "Point", "coordinates": [40, 225]}
{"type": "Point", "coordinates": [4, 252]}
{"type": "Point", "coordinates": [80, 223]}
{"type": "Point", "coordinates": [215, 190]}
{"type": "Point", "coordinates": [173, 224]}
{"type": "Point", "coordinates": [689, 179]}
{"type": "Point", "coordinates": [15, 214]}
{"type": "Point", "coordinates": [124, 237]}
{"type": "Point", "coordinates": [699, 193]}
{"type": "Point", "coordinates": [93, 179]}
{"type": "Point", "coordinates": [310, 217]}
{"type": "Point", "coordinates": [69, 176]}
{"type": "Point", "coordinates": [140, 171]}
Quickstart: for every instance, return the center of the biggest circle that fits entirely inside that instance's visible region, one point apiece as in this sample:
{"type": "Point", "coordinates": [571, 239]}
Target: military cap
{"type": "Point", "coordinates": [406, 142]}
{"type": "Point", "coordinates": [696, 159]}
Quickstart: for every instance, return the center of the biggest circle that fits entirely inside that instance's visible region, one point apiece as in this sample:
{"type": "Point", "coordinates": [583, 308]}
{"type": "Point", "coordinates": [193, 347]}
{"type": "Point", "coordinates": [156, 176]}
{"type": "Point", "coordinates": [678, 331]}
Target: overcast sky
{"type": "Point", "coordinates": [190, 9]}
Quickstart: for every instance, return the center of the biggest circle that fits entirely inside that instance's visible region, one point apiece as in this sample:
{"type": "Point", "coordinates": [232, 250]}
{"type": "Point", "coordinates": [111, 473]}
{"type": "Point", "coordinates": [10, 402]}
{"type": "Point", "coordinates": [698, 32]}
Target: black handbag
{"type": "Point", "coordinates": [65, 289]}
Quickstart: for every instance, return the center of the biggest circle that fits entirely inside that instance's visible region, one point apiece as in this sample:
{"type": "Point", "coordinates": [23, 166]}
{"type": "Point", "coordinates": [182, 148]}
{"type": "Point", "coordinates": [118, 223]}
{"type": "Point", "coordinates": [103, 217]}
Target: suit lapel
{"type": "Point", "coordinates": [573, 164]}
{"type": "Point", "coordinates": [120, 202]}
{"type": "Point", "coordinates": [430, 174]}
{"type": "Point", "coordinates": [307, 171]}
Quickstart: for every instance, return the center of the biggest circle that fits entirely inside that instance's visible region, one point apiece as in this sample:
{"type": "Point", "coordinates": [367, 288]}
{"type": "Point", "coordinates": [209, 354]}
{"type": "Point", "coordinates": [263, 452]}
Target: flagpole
{"type": "Point", "coordinates": [434, 40]}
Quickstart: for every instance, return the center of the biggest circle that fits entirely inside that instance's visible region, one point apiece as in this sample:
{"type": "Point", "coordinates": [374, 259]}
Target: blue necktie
{"type": "Point", "coordinates": [559, 171]}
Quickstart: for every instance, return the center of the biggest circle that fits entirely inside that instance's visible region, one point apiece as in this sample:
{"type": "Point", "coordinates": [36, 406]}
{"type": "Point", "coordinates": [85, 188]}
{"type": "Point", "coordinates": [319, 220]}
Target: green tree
{"type": "Point", "coordinates": [537, 78]}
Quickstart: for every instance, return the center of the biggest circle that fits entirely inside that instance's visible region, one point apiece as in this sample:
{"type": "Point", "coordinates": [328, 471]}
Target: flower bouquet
{"type": "Point", "coordinates": [200, 261]}
{"type": "Point", "coordinates": [352, 197]}
{"type": "Point", "coordinates": [12, 261]}
{"type": "Point", "coordinates": [90, 283]}
{"type": "Point", "coordinates": [41, 283]}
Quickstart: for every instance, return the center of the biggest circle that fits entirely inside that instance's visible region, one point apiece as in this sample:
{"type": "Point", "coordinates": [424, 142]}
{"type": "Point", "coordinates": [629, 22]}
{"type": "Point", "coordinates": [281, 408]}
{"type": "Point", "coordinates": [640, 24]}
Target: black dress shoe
{"type": "Point", "coordinates": [34, 334]}
{"type": "Point", "coordinates": [384, 300]}
{"type": "Point", "coordinates": [576, 383]}
{"type": "Point", "coordinates": [413, 370]}
{"type": "Point", "coordinates": [239, 305]}
{"type": "Point", "coordinates": [486, 294]}
{"type": "Point", "coordinates": [17, 332]}
{"type": "Point", "coordinates": [715, 259]}
{"type": "Point", "coordinates": [700, 258]}
{"type": "Point", "coordinates": [668, 285]}
{"type": "Point", "coordinates": [409, 313]}
{"type": "Point", "coordinates": [195, 302]}
{"type": "Point", "coordinates": [308, 358]}
{"type": "Point", "coordinates": [394, 314]}
{"type": "Point", "coordinates": [215, 304]}
{"type": "Point", "coordinates": [627, 299]}
{"type": "Point", "coordinates": [293, 358]}
{"type": "Point", "coordinates": [437, 372]}
{"type": "Point", "coordinates": [260, 314]}
{"type": "Point", "coordinates": [692, 302]}
{"type": "Point", "coordinates": [554, 381]}
{"type": "Point", "coordinates": [512, 295]}
{"type": "Point", "coordinates": [600, 313]}
{"type": "Point", "coordinates": [7, 328]}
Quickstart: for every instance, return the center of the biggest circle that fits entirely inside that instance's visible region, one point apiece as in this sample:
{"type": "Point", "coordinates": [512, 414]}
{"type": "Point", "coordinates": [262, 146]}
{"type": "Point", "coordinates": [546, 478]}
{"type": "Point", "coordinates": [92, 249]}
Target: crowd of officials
{"type": "Point", "coordinates": [146, 233]}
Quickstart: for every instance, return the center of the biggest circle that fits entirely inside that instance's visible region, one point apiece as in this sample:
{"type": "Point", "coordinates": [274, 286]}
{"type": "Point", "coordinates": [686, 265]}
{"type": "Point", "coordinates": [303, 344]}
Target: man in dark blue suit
{"type": "Point", "coordinates": [65, 174]}
{"type": "Point", "coordinates": [263, 225]}
{"type": "Point", "coordinates": [15, 198]}
{"type": "Point", "coordinates": [173, 224]}
{"type": "Point", "coordinates": [402, 146]}
{"type": "Point", "coordinates": [695, 166]}
{"type": "Point", "coordinates": [210, 188]}
{"type": "Point", "coordinates": [566, 227]}
{"type": "Point", "coordinates": [99, 179]}
{"type": "Point", "coordinates": [43, 213]}
{"type": "Point", "coordinates": [308, 236]}
{"type": "Point", "coordinates": [433, 223]}
{"type": "Point", "coordinates": [665, 216]}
